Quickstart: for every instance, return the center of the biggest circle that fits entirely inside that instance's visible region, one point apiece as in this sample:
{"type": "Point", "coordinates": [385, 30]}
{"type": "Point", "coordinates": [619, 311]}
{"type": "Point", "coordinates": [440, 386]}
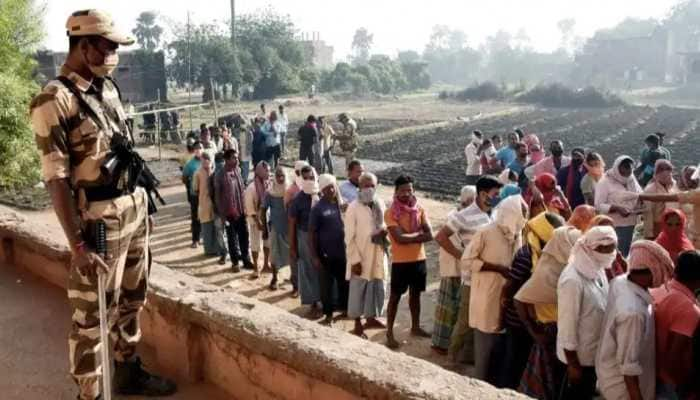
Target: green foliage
{"type": "Point", "coordinates": [266, 57]}
{"type": "Point", "coordinates": [380, 74]}
{"type": "Point", "coordinates": [19, 37]}
{"type": "Point", "coordinates": [147, 31]}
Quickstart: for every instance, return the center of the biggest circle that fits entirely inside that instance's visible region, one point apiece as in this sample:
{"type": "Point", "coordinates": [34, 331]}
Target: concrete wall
{"type": "Point", "coordinates": [248, 348]}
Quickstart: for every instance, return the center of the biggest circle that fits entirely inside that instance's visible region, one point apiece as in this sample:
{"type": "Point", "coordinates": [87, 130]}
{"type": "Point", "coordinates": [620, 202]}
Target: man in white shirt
{"type": "Point", "coordinates": [473, 155]}
{"type": "Point", "coordinates": [626, 359]}
{"type": "Point", "coordinates": [465, 223]}
{"type": "Point", "coordinates": [283, 123]}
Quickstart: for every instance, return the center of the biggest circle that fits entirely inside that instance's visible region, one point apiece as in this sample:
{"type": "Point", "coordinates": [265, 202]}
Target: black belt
{"type": "Point", "coordinates": [103, 193]}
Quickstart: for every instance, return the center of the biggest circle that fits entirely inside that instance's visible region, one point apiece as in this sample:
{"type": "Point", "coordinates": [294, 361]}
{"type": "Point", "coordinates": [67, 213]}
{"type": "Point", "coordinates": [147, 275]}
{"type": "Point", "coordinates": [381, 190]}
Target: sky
{"type": "Point", "coordinates": [396, 25]}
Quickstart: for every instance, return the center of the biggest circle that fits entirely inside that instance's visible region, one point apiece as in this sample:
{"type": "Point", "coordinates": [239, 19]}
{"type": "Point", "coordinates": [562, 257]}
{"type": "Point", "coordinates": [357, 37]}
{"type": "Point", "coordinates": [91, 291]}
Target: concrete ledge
{"type": "Point", "coordinates": [250, 349]}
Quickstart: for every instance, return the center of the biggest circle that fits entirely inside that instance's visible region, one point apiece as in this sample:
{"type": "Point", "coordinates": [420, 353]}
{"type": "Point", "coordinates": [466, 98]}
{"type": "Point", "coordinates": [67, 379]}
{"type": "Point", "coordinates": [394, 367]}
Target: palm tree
{"type": "Point", "coordinates": [147, 32]}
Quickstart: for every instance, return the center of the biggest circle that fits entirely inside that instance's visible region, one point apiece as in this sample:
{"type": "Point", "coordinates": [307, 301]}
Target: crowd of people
{"type": "Point", "coordinates": [558, 278]}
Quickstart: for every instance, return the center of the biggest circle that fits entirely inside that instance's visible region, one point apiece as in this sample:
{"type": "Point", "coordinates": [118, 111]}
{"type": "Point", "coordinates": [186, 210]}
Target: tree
{"type": "Point", "coordinates": [20, 35]}
{"type": "Point", "coordinates": [361, 45]}
{"type": "Point", "coordinates": [147, 32]}
{"type": "Point", "coordinates": [408, 56]}
{"type": "Point", "coordinates": [566, 30]}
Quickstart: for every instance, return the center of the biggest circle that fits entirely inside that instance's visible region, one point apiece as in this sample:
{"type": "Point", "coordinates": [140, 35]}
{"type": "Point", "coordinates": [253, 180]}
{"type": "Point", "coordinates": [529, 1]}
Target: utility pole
{"type": "Point", "coordinates": [189, 68]}
{"type": "Point", "coordinates": [213, 97]}
{"type": "Point", "coordinates": [233, 24]}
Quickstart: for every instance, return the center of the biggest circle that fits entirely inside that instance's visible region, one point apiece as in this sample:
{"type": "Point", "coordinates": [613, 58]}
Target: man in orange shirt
{"type": "Point", "coordinates": [677, 315]}
{"type": "Point", "coordinates": [409, 228]}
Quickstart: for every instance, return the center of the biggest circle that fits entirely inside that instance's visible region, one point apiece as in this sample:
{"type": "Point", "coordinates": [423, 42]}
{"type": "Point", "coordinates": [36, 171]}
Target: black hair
{"type": "Point", "coordinates": [580, 150]}
{"type": "Point", "coordinates": [202, 126]}
{"type": "Point", "coordinates": [310, 118]}
{"type": "Point", "coordinates": [496, 136]}
{"type": "Point", "coordinates": [519, 145]}
{"type": "Point", "coordinates": [554, 219]}
{"type": "Point", "coordinates": [478, 133]}
{"type": "Point", "coordinates": [652, 139]}
{"type": "Point", "coordinates": [593, 156]}
{"type": "Point", "coordinates": [688, 266]}
{"type": "Point", "coordinates": [402, 180]}
{"type": "Point", "coordinates": [487, 183]}
{"type": "Point", "coordinates": [352, 164]}
{"type": "Point", "coordinates": [197, 143]}
{"type": "Point", "coordinates": [218, 157]}
{"type": "Point", "coordinates": [230, 153]}
{"type": "Point", "coordinates": [520, 133]}
{"type": "Point", "coordinates": [306, 169]}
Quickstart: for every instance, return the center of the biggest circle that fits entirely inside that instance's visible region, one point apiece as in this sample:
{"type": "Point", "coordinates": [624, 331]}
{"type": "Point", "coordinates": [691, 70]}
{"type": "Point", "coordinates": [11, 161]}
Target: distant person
{"type": "Point", "coordinates": [472, 153]}
{"type": "Point", "coordinates": [308, 135]}
{"type": "Point", "coordinates": [645, 171]}
{"type": "Point", "coordinates": [507, 155]}
{"type": "Point", "coordinates": [207, 145]}
{"type": "Point", "coordinates": [497, 141]}
{"type": "Point", "coordinates": [570, 176]}
{"type": "Point", "coordinates": [188, 175]}
{"type": "Point", "coordinates": [595, 168]}
{"type": "Point", "coordinates": [615, 196]}
{"type": "Point", "coordinates": [661, 183]}
{"type": "Point", "coordinates": [550, 164]}
{"type": "Point", "coordinates": [367, 248]}
{"type": "Point", "coordinates": [327, 135]}
{"type": "Point", "coordinates": [677, 318]}
{"type": "Point", "coordinates": [273, 149]}
{"type": "Point", "coordinates": [263, 112]}
{"type": "Point", "coordinates": [351, 187]}
{"type": "Point", "coordinates": [519, 164]}
{"type": "Point", "coordinates": [666, 152]}
{"type": "Point", "coordinates": [327, 245]}
{"type": "Point", "coordinates": [259, 151]}
{"type": "Point", "coordinates": [348, 139]}
{"type": "Point", "coordinates": [283, 121]}
{"type": "Point", "coordinates": [625, 362]}
{"type": "Point", "coordinates": [487, 158]}
{"type": "Point", "coordinates": [409, 230]}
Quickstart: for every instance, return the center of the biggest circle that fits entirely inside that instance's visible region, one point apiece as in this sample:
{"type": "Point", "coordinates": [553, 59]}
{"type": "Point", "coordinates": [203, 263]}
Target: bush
{"type": "Point", "coordinates": [558, 95]}
{"type": "Point", "coordinates": [477, 92]}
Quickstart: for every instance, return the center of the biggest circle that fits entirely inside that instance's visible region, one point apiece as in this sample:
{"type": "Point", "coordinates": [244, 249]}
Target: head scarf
{"type": "Point", "coordinates": [534, 147]}
{"type": "Point", "coordinates": [261, 186]}
{"type": "Point", "coordinates": [539, 232]}
{"type": "Point", "coordinates": [684, 181]}
{"type": "Point", "coordinates": [541, 288]}
{"type": "Point", "coordinates": [279, 189]}
{"type": "Point", "coordinates": [645, 254]}
{"type": "Point", "coordinates": [595, 171]}
{"type": "Point", "coordinates": [326, 180]}
{"type": "Point", "coordinates": [546, 183]}
{"type": "Point", "coordinates": [674, 240]}
{"type": "Point", "coordinates": [510, 219]}
{"type": "Point", "coordinates": [509, 190]}
{"type": "Point", "coordinates": [584, 256]}
{"type": "Point", "coordinates": [411, 208]}
{"type": "Point", "coordinates": [298, 166]}
{"type": "Point", "coordinates": [582, 217]}
{"type": "Point", "coordinates": [602, 220]}
{"type": "Point", "coordinates": [614, 173]}
{"type": "Point", "coordinates": [663, 173]}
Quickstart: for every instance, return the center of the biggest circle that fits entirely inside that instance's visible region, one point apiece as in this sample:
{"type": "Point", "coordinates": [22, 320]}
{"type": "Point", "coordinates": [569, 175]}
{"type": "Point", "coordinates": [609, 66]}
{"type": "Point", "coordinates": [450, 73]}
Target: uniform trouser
{"type": "Point", "coordinates": [237, 236]}
{"type": "Point", "coordinates": [127, 283]}
{"type": "Point", "coordinates": [195, 225]}
{"type": "Point", "coordinates": [349, 156]}
{"type": "Point", "coordinates": [332, 274]}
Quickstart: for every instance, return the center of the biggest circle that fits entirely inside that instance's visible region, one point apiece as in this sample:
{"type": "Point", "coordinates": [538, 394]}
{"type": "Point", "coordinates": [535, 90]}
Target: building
{"type": "Point", "coordinates": [317, 50]}
{"type": "Point", "coordinates": [140, 75]}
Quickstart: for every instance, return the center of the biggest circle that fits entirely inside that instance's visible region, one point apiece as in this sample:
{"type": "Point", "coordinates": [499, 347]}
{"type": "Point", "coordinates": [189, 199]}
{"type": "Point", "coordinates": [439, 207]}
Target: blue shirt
{"type": "Point", "coordinates": [299, 209]}
{"type": "Point", "coordinates": [506, 156]}
{"type": "Point", "coordinates": [349, 191]}
{"type": "Point", "coordinates": [188, 172]}
{"type": "Point", "coordinates": [326, 221]}
{"type": "Point", "coordinates": [271, 136]}
{"type": "Point", "coordinates": [519, 169]}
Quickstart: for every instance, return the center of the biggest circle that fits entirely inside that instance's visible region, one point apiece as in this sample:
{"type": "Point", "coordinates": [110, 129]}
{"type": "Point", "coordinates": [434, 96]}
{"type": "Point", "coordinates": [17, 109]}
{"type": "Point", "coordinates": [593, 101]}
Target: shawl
{"type": "Point", "coordinates": [674, 239]}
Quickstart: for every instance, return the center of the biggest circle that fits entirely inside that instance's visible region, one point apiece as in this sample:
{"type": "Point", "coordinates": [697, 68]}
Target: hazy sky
{"type": "Point", "coordinates": [396, 25]}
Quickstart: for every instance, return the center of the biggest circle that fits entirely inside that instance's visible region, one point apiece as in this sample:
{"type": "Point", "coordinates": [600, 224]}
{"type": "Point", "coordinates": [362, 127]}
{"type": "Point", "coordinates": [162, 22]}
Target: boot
{"type": "Point", "coordinates": [130, 379]}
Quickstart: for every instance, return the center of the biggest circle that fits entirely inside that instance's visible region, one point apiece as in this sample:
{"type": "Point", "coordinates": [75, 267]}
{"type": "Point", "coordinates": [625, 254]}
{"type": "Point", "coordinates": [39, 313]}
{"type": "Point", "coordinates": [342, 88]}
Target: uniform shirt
{"type": "Point", "coordinates": [71, 144]}
{"type": "Point", "coordinates": [473, 162]}
{"type": "Point", "coordinates": [348, 191]}
{"type": "Point", "coordinates": [406, 253]}
{"type": "Point", "coordinates": [627, 344]}
{"type": "Point", "coordinates": [300, 209]}
{"type": "Point", "coordinates": [326, 221]}
{"type": "Point", "coordinates": [465, 223]}
{"type": "Point", "coordinates": [675, 311]}
{"type": "Point", "coordinates": [488, 245]}
{"type": "Point", "coordinates": [581, 304]}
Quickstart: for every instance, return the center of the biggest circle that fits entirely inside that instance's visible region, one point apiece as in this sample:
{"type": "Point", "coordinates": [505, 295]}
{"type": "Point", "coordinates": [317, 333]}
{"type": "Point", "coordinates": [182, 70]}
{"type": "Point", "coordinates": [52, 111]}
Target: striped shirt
{"type": "Point", "coordinates": [520, 272]}
{"type": "Point", "coordinates": [466, 223]}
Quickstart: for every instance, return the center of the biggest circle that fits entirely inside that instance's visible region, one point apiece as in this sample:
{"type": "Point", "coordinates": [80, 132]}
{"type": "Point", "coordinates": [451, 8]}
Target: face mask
{"type": "Point", "coordinates": [603, 260]}
{"type": "Point", "coordinates": [576, 162]}
{"type": "Point", "coordinates": [366, 195]}
{"type": "Point", "coordinates": [309, 187]}
{"type": "Point", "coordinates": [493, 201]}
{"type": "Point", "coordinates": [557, 153]}
{"type": "Point", "coordinates": [109, 64]}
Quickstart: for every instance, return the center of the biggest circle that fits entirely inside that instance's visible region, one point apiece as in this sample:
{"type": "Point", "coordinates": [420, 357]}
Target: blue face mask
{"type": "Point", "coordinates": [493, 201]}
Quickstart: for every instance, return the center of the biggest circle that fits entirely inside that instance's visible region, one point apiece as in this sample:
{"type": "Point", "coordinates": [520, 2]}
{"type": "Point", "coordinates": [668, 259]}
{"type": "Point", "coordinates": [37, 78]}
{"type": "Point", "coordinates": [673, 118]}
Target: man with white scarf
{"type": "Point", "coordinates": [295, 187]}
{"type": "Point", "coordinates": [366, 246]}
{"type": "Point", "coordinates": [626, 358]}
{"type": "Point", "coordinates": [471, 151]}
{"type": "Point", "coordinates": [582, 295]}
{"type": "Point", "coordinates": [299, 251]}
{"type": "Point", "coordinates": [490, 255]}
{"type": "Point", "coordinates": [327, 245]}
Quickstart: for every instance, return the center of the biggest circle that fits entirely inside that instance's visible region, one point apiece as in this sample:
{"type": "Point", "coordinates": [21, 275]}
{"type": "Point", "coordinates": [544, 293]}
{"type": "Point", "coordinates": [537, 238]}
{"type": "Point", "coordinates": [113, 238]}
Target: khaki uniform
{"type": "Point", "coordinates": [349, 140]}
{"type": "Point", "coordinates": [73, 146]}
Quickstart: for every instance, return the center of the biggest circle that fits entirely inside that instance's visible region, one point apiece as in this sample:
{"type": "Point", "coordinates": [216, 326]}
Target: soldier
{"type": "Point", "coordinates": [348, 139]}
{"type": "Point", "coordinates": [75, 118]}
